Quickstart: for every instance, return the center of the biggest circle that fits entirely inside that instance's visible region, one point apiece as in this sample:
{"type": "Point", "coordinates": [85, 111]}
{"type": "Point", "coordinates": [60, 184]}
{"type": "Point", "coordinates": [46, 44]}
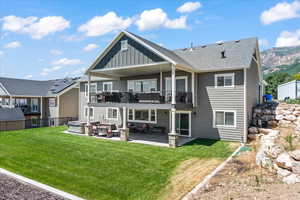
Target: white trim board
{"type": "Point", "coordinates": [40, 185]}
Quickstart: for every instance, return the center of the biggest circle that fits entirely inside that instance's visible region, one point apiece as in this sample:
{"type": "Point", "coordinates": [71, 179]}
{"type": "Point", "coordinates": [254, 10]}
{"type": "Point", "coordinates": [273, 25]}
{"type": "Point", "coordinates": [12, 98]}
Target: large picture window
{"type": "Point", "coordinates": [224, 118]}
{"type": "Point", "coordinates": [93, 88]}
{"type": "Point", "coordinates": [224, 80]}
{"type": "Point", "coordinates": [146, 85]}
{"type": "Point", "coordinates": [142, 115]}
{"type": "Point", "coordinates": [107, 86]}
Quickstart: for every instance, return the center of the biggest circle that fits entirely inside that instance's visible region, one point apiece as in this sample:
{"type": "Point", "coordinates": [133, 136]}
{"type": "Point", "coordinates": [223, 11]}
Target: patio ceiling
{"type": "Point", "coordinates": [133, 70]}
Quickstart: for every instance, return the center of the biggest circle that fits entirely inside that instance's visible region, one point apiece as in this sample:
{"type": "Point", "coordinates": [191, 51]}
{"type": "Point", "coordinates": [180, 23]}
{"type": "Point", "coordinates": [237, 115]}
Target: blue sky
{"type": "Point", "coordinates": [42, 39]}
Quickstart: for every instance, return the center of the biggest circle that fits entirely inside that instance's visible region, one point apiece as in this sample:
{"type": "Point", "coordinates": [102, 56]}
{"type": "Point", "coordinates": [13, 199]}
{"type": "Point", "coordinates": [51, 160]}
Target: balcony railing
{"type": "Point", "coordinates": [164, 97]}
{"type": "Point", "coordinates": [26, 109]}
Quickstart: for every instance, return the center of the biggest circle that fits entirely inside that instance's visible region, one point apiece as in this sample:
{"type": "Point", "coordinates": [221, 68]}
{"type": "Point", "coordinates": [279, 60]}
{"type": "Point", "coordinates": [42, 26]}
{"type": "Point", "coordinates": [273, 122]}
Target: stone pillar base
{"type": "Point", "coordinates": [88, 130]}
{"type": "Point", "coordinates": [173, 140]}
{"type": "Point", "coordinates": [124, 134]}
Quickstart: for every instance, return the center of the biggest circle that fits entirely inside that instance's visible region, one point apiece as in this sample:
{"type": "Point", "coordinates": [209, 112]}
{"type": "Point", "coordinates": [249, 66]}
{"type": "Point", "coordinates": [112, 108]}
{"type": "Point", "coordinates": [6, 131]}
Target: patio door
{"type": "Point", "coordinates": [34, 105]}
{"type": "Point", "coordinates": [181, 86]}
{"type": "Point", "coordinates": [183, 123]}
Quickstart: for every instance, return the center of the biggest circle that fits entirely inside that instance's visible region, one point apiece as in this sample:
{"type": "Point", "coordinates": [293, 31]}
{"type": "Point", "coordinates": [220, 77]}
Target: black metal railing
{"type": "Point", "coordinates": [35, 123]}
{"type": "Point", "coordinates": [139, 97]}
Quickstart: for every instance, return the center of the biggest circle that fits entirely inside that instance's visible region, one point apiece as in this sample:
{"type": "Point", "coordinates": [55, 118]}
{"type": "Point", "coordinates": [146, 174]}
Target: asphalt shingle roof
{"type": "Point", "coordinates": [23, 87]}
{"type": "Point", "coordinates": [11, 114]}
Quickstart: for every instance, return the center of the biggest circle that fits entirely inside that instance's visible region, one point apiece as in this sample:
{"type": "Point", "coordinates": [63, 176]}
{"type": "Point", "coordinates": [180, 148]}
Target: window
{"type": "Point", "coordinates": [224, 80]}
{"type": "Point", "coordinates": [34, 105]}
{"type": "Point", "coordinates": [107, 86]}
{"type": "Point", "coordinates": [224, 118]}
{"type": "Point", "coordinates": [20, 102]}
{"type": "Point", "coordinates": [124, 45]}
{"type": "Point", "coordinates": [52, 102]}
{"type": "Point", "coordinates": [146, 85]}
{"type": "Point", "coordinates": [6, 101]}
{"type": "Point", "coordinates": [112, 113]}
{"type": "Point", "coordinates": [142, 115]}
{"type": "Point", "coordinates": [91, 112]}
{"type": "Point", "coordinates": [93, 88]}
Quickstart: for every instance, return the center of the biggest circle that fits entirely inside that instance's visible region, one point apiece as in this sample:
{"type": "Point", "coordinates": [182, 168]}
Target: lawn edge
{"type": "Point", "coordinates": [206, 180]}
{"type": "Point", "coordinates": [40, 185]}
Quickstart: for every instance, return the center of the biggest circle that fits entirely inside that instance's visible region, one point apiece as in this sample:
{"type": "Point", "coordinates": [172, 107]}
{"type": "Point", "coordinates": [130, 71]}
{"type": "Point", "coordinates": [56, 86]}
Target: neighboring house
{"type": "Point", "coordinates": [48, 100]}
{"type": "Point", "coordinates": [11, 119]}
{"type": "Point", "coordinates": [199, 92]}
{"type": "Point", "coordinates": [289, 90]}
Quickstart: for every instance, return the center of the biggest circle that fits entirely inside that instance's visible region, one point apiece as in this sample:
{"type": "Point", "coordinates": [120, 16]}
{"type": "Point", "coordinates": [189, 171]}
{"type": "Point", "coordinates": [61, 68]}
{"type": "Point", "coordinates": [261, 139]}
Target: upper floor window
{"type": "Point", "coordinates": [107, 86]}
{"type": "Point", "coordinates": [20, 102]}
{"type": "Point", "coordinates": [224, 80]}
{"type": "Point", "coordinates": [124, 45]}
{"type": "Point", "coordinates": [52, 102]}
{"type": "Point", "coordinates": [93, 88]}
{"type": "Point", "coordinates": [146, 85]}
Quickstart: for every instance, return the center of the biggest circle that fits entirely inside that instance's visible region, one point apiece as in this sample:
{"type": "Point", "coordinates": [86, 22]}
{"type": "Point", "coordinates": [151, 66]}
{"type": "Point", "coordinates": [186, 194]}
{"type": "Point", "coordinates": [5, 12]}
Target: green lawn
{"type": "Point", "coordinates": [98, 169]}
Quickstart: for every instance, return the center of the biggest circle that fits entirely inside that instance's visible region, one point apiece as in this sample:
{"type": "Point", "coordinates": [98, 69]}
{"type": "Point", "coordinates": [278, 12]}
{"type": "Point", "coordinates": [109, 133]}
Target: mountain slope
{"type": "Point", "coordinates": [283, 59]}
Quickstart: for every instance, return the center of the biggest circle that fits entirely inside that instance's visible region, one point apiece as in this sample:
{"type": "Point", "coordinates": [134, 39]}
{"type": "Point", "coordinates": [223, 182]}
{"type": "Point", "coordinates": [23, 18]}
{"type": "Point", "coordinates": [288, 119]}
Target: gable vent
{"type": "Point", "coordinates": [237, 41]}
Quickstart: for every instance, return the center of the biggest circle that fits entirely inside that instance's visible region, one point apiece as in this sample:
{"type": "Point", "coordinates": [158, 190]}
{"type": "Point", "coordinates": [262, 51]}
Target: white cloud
{"type": "Point", "coordinates": [56, 52]}
{"type": "Point", "coordinates": [67, 62]}
{"type": "Point", "coordinates": [101, 25]}
{"type": "Point", "coordinates": [36, 27]}
{"type": "Point", "coordinates": [14, 44]}
{"type": "Point", "coordinates": [90, 47]}
{"type": "Point", "coordinates": [287, 39]}
{"type": "Point", "coordinates": [263, 42]}
{"type": "Point", "coordinates": [157, 18]}
{"type": "Point", "coordinates": [280, 11]}
{"type": "Point", "coordinates": [1, 53]}
{"type": "Point", "coordinates": [29, 76]}
{"type": "Point", "coordinates": [189, 7]}
{"type": "Point", "coordinates": [46, 71]}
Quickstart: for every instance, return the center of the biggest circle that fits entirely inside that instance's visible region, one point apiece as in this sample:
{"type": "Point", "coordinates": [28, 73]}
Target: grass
{"type": "Point", "coordinates": [99, 169]}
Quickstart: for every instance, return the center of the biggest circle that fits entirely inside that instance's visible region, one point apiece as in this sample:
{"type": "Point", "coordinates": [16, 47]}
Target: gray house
{"type": "Point", "coordinates": [49, 100]}
{"type": "Point", "coordinates": [200, 92]}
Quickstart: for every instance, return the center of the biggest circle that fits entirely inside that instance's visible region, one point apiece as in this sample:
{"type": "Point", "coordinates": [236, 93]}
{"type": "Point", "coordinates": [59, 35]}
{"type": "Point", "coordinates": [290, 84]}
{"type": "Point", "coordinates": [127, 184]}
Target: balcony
{"type": "Point", "coordinates": [151, 98]}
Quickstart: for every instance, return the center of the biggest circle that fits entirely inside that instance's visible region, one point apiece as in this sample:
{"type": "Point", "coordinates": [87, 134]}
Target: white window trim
{"type": "Point", "coordinates": [151, 79]}
{"type": "Point", "coordinates": [190, 121]}
{"type": "Point", "coordinates": [106, 113]}
{"type": "Point", "coordinates": [92, 117]}
{"type": "Point", "coordinates": [142, 121]}
{"type": "Point", "coordinates": [86, 90]}
{"type": "Point", "coordinates": [107, 83]}
{"type": "Point", "coordinates": [224, 126]}
{"type": "Point", "coordinates": [178, 77]}
{"type": "Point", "coordinates": [223, 75]}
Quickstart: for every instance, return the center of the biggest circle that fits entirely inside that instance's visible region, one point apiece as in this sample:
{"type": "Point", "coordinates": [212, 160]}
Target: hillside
{"type": "Point", "coordinates": [283, 59]}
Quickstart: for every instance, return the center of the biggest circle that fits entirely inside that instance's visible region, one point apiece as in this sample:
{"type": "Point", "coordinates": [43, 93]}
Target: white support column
{"type": "Point", "coordinates": [173, 83]}
{"type": "Point", "coordinates": [124, 118]}
{"type": "Point", "coordinates": [193, 88]}
{"type": "Point", "coordinates": [11, 102]}
{"type": "Point", "coordinates": [89, 100]}
{"type": "Point", "coordinates": [161, 82]}
{"type": "Point", "coordinates": [41, 108]}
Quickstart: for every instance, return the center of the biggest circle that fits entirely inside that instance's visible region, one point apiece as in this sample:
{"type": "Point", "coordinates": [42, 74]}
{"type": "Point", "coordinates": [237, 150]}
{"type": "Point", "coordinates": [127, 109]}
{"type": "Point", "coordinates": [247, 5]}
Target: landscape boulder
{"type": "Point", "coordinates": [291, 179]}
{"type": "Point", "coordinates": [295, 155]}
{"type": "Point", "coordinates": [290, 117]}
{"type": "Point", "coordinates": [283, 172]}
{"type": "Point", "coordinates": [279, 117]}
{"type": "Point", "coordinates": [275, 150]}
{"type": "Point", "coordinates": [264, 130]}
{"type": "Point", "coordinates": [285, 161]}
{"type": "Point", "coordinates": [253, 130]}
{"type": "Point", "coordinates": [296, 167]}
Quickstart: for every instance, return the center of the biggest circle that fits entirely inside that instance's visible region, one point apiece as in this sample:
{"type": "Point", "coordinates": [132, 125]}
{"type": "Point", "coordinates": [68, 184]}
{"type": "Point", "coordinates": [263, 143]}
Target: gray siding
{"type": "Point", "coordinates": [252, 89]}
{"type": "Point", "coordinates": [209, 99]}
{"type": "Point", "coordinates": [136, 54]}
{"type": "Point", "coordinates": [68, 103]}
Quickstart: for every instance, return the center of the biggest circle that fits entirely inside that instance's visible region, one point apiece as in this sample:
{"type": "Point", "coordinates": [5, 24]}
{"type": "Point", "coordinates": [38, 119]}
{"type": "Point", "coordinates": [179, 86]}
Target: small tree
{"type": "Point", "coordinates": [274, 80]}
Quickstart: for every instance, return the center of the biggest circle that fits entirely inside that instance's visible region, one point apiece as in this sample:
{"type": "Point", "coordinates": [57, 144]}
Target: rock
{"type": "Point", "coordinates": [279, 117]}
{"type": "Point", "coordinates": [272, 123]}
{"type": "Point", "coordinates": [274, 151]}
{"type": "Point", "coordinates": [279, 112]}
{"type": "Point", "coordinates": [253, 136]}
{"type": "Point", "coordinates": [297, 108]}
{"type": "Point", "coordinates": [264, 130]}
{"type": "Point", "coordinates": [297, 128]}
{"type": "Point", "coordinates": [290, 117]}
{"type": "Point", "coordinates": [287, 112]}
{"type": "Point", "coordinates": [291, 179]}
{"type": "Point", "coordinates": [295, 155]}
{"type": "Point", "coordinates": [296, 113]}
{"type": "Point", "coordinates": [283, 172]}
{"type": "Point", "coordinates": [285, 123]}
{"type": "Point", "coordinates": [253, 130]}
{"type": "Point", "coordinates": [274, 133]}
{"type": "Point", "coordinates": [296, 167]}
{"type": "Point", "coordinates": [285, 161]}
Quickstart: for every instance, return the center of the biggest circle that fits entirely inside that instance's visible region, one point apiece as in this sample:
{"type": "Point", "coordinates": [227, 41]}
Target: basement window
{"type": "Point", "coordinates": [124, 45]}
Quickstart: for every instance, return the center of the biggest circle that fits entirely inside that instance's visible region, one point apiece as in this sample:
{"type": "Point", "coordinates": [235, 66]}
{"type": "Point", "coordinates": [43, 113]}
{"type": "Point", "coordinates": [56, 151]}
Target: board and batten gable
{"type": "Point", "coordinates": [210, 98]}
{"type": "Point", "coordinates": [136, 54]}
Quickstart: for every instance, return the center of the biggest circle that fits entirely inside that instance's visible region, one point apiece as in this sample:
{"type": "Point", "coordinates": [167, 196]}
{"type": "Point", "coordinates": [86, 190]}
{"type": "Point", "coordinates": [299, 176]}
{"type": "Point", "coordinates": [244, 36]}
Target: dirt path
{"type": "Point", "coordinates": [11, 189]}
{"type": "Point", "coordinates": [241, 179]}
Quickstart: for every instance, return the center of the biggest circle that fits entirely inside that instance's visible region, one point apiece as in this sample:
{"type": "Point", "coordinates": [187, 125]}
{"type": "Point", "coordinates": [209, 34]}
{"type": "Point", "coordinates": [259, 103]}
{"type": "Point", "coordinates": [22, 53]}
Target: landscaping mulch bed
{"type": "Point", "coordinates": [12, 189]}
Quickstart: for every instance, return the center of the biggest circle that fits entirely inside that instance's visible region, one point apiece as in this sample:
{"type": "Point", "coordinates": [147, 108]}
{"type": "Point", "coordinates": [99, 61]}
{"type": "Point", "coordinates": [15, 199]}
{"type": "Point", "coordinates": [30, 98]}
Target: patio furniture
{"type": "Point", "coordinates": [76, 127]}
{"type": "Point", "coordinates": [158, 129]}
{"type": "Point", "coordinates": [143, 128]}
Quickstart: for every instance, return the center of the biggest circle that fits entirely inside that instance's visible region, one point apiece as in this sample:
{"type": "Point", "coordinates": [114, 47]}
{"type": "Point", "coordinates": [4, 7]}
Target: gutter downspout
{"type": "Point", "coordinates": [245, 107]}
